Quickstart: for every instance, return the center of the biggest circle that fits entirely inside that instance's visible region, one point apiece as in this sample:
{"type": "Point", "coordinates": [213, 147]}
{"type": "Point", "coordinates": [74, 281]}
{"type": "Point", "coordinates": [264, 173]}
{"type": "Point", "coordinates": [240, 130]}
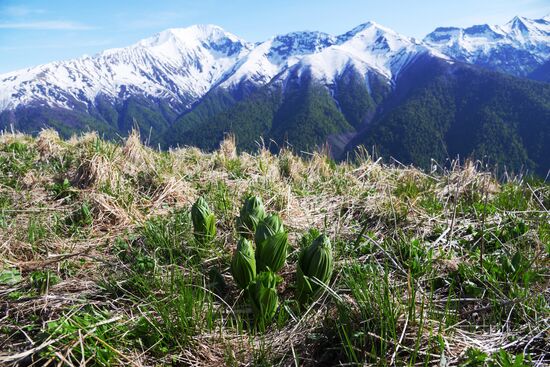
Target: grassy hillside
{"type": "Point", "coordinates": [302, 114]}
{"type": "Point", "coordinates": [99, 265]}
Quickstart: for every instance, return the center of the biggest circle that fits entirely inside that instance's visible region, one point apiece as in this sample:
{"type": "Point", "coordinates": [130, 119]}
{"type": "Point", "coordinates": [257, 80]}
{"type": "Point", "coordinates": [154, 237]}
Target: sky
{"type": "Point", "coordinates": [35, 32]}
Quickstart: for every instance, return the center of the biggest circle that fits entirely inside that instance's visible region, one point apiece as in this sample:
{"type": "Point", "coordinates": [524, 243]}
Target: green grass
{"type": "Point", "coordinates": [367, 330]}
{"type": "Point", "coordinates": [448, 267]}
{"type": "Point", "coordinates": [16, 160]}
{"type": "Point", "coordinates": [86, 334]}
{"type": "Point", "coordinates": [41, 281]}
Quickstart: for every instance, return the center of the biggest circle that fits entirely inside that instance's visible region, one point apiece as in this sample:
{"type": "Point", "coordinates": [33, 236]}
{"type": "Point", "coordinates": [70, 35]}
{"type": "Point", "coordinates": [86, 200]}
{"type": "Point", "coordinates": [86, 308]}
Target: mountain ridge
{"type": "Point", "coordinates": [516, 48]}
{"type": "Point", "coordinates": [183, 64]}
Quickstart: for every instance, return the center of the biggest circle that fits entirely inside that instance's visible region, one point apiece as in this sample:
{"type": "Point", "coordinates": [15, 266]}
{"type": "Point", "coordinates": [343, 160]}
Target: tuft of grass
{"type": "Point", "coordinates": [42, 280]}
{"type": "Point", "coordinates": [368, 327]}
{"type": "Point", "coordinates": [16, 160]}
{"type": "Point", "coordinates": [63, 190]}
{"type": "Point", "coordinates": [6, 205]}
{"type": "Point", "coordinates": [88, 334]}
{"type": "Point", "coordinates": [36, 231]}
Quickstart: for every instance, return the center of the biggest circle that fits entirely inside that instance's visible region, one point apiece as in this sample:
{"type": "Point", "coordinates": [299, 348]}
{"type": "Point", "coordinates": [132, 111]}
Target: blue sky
{"type": "Point", "coordinates": [36, 32]}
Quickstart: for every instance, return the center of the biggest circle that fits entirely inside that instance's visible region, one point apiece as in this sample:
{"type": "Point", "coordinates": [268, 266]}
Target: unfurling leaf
{"type": "Point", "coordinates": [204, 221]}
{"type": "Point", "coordinates": [243, 264]}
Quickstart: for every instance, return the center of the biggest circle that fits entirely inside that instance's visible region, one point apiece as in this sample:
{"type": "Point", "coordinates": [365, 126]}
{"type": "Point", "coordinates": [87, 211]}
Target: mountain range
{"type": "Point", "coordinates": [478, 92]}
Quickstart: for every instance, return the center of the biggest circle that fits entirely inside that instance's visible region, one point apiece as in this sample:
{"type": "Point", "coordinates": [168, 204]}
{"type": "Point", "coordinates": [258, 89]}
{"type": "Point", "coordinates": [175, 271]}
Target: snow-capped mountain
{"type": "Point", "coordinates": [271, 57]}
{"type": "Point", "coordinates": [517, 47]}
{"type": "Point", "coordinates": [367, 48]}
{"type": "Point", "coordinates": [180, 66]}
{"type": "Point", "coordinates": [176, 65]}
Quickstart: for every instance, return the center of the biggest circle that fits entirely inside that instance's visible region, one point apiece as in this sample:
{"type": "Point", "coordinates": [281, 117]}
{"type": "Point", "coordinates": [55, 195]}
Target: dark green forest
{"type": "Point", "coordinates": [463, 111]}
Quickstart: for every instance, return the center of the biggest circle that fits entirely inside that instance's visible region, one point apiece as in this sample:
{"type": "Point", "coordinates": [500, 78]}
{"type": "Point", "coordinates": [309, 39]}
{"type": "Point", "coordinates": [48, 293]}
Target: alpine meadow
{"type": "Point", "coordinates": [364, 198]}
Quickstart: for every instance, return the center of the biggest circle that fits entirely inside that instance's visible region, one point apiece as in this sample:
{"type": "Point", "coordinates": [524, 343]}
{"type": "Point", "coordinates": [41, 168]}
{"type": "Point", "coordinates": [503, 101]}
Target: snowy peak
{"type": "Point", "coordinates": [374, 36]}
{"type": "Point", "coordinates": [512, 32]}
{"type": "Point", "coordinates": [177, 43]}
{"type": "Point", "coordinates": [194, 33]}
{"type": "Point", "coordinates": [380, 48]}
{"type": "Point", "coordinates": [367, 30]}
{"type": "Point", "coordinates": [178, 65]}
{"type": "Point", "coordinates": [518, 23]}
{"type": "Point", "coordinates": [485, 31]}
{"type": "Point", "coordinates": [446, 38]}
{"type": "Point", "coordinates": [271, 57]}
{"type": "Point", "coordinates": [301, 43]}
{"type": "Point", "coordinates": [533, 26]}
{"type": "Point", "coordinates": [357, 30]}
{"type": "Point", "coordinates": [515, 47]}
{"type": "Point", "coordinates": [529, 30]}
{"type": "Point", "coordinates": [368, 47]}
{"type": "Point", "coordinates": [209, 36]}
{"type": "Point", "coordinates": [443, 35]}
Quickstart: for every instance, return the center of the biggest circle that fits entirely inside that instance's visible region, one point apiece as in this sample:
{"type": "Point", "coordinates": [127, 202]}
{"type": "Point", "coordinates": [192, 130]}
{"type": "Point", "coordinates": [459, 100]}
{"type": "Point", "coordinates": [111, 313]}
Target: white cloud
{"type": "Point", "coordinates": [46, 25]}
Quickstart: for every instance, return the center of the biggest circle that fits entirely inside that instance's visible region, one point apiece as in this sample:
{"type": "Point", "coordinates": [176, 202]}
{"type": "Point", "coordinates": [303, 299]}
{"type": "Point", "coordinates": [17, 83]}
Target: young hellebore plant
{"type": "Point", "coordinates": [243, 264]}
{"type": "Point", "coordinates": [271, 244]}
{"type": "Point", "coordinates": [315, 261]}
{"type": "Point", "coordinates": [251, 214]}
{"type": "Point", "coordinates": [263, 297]}
{"type": "Point", "coordinates": [204, 221]}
